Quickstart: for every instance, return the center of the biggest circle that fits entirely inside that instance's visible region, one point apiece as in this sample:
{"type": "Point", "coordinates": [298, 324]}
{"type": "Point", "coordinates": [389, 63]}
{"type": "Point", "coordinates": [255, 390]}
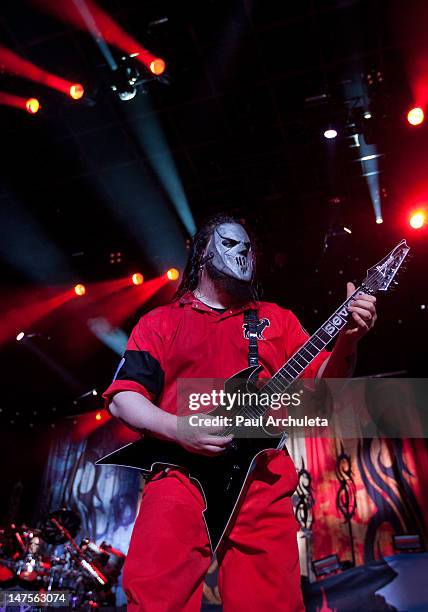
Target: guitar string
{"type": "Point", "coordinates": [249, 411]}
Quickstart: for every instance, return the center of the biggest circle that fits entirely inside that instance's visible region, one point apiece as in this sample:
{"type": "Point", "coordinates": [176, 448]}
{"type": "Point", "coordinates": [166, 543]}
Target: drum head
{"type": "Point", "coordinates": [67, 518]}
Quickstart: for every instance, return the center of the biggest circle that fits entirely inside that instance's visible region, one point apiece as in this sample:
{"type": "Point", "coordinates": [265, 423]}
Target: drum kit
{"type": "Point", "coordinates": [88, 572]}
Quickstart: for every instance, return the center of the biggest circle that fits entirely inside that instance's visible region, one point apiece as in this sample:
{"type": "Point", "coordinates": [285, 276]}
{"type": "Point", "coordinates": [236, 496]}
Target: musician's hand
{"type": "Point", "coordinates": [363, 314]}
{"type": "Point", "coordinates": [200, 439]}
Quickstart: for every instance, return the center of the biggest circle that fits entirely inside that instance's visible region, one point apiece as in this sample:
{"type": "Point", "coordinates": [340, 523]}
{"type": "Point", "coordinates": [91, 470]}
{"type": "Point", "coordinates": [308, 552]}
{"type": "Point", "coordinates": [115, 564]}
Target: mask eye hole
{"type": "Point", "coordinates": [229, 242]}
{"type": "Point", "coordinates": [247, 245]}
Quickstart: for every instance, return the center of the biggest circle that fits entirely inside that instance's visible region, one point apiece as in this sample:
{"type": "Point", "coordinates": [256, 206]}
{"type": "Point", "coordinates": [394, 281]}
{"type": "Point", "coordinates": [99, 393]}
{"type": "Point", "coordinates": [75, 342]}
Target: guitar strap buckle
{"type": "Point", "coordinates": [251, 325]}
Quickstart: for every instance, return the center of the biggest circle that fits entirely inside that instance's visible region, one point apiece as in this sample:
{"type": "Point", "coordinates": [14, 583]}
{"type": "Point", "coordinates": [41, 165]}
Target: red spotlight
{"type": "Point", "coordinates": [415, 116]}
{"type": "Point", "coordinates": [104, 25]}
{"type": "Point", "coordinates": [12, 63]}
{"type": "Point", "coordinates": [98, 416]}
{"type": "Point", "coordinates": [32, 105]}
{"type": "Point", "coordinates": [157, 66]}
{"type": "Point", "coordinates": [80, 290]}
{"type": "Point", "coordinates": [417, 219]}
{"type": "Point", "coordinates": [173, 274]}
{"type": "Point", "coordinates": [30, 308]}
{"type": "Point", "coordinates": [76, 91]}
{"type": "Point", "coordinates": [137, 279]}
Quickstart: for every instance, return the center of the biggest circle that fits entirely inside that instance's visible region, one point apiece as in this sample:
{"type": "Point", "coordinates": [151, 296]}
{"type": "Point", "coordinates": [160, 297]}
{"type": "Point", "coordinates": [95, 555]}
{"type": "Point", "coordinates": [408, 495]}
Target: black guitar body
{"type": "Point", "coordinates": [221, 478]}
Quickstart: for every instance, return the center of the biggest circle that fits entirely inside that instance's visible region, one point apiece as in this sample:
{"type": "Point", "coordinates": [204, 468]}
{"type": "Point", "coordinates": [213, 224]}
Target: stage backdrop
{"type": "Point", "coordinates": [387, 481]}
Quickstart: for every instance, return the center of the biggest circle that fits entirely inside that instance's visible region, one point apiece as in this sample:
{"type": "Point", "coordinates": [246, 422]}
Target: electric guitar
{"type": "Point", "coordinates": [223, 478]}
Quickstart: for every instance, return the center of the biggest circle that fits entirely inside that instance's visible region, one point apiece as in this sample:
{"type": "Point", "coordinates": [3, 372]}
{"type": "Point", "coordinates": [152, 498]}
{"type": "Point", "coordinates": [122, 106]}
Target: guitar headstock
{"type": "Point", "coordinates": [380, 276]}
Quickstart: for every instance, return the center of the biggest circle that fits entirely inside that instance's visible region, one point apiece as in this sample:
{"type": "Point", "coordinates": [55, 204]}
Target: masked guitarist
{"type": "Point", "coordinates": [201, 334]}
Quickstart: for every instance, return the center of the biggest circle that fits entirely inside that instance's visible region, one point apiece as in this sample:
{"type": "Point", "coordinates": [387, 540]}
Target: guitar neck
{"type": "Point", "coordinates": [298, 363]}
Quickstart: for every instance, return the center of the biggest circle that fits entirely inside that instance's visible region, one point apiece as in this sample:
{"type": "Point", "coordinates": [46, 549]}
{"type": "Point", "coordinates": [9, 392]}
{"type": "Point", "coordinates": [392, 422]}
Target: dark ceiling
{"type": "Point", "coordinates": [252, 86]}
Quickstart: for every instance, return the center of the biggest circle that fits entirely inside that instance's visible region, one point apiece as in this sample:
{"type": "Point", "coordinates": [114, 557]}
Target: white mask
{"type": "Point", "coordinates": [231, 251]}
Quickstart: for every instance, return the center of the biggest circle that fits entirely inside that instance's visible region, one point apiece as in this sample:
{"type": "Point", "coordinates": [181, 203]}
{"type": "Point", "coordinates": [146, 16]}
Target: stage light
{"type": "Point", "coordinates": [137, 278]}
{"type": "Point", "coordinates": [32, 105]}
{"type": "Point", "coordinates": [126, 93]}
{"type": "Point", "coordinates": [116, 257]}
{"type": "Point", "coordinates": [367, 115]}
{"type": "Point", "coordinates": [94, 392]}
{"type": "Point", "coordinates": [88, 16]}
{"type": "Point", "coordinates": [76, 91]}
{"type": "Point", "coordinates": [417, 219]}
{"type": "Point", "coordinates": [369, 157]}
{"type": "Point", "coordinates": [14, 64]}
{"type": "Point", "coordinates": [347, 230]}
{"type": "Point", "coordinates": [20, 336]}
{"type": "Point", "coordinates": [415, 116]}
{"type": "Point", "coordinates": [173, 274]}
{"type": "Point", "coordinates": [127, 78]}
{"type": "Point", "coordinates": [330, 133]}
{"type": "Point", "coordinates": [157, 66]}
{"type": "Point", "coordinates": [379, 220]}
{"type": "Point", "coordinates": [80, 290]}
{"type": "Point", "coordinates": [98, 416]}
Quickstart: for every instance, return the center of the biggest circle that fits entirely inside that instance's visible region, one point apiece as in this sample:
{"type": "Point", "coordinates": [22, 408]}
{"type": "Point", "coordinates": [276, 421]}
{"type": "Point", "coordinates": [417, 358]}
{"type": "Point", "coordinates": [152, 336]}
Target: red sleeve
{"type": "Point", "coordinates": [295, 338]}
{"type": "Point", "coordinates": [141, 367]}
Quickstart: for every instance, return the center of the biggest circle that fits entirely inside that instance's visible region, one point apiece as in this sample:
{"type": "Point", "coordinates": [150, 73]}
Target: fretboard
{"type": "Point", "coordinates": [296, 365]}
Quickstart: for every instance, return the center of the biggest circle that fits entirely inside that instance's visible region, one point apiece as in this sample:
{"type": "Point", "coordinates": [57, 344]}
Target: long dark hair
{"type": "Point", "coordinates": [190, 278]}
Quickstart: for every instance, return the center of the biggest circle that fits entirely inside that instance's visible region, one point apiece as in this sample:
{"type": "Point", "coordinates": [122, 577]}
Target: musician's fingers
{"type": "Point", "coordinates": [212, 429]}
{"type": "Point", "coordinates": [366, 296]}
{"type": "Point", "coordinates": [364, 304]}
{"type": "Point", "coordinates": [350, 288]}
{"type": "Point", "coordinates": [360, 322]}
{"type": "Point", "coordinates": [208, 449]}
{"type": "Point", "coordinates": [364, 314]}
{"type": "Point", "coordinates": [217, 440]}
{"type": "Point", "coordinates": [205, 428]}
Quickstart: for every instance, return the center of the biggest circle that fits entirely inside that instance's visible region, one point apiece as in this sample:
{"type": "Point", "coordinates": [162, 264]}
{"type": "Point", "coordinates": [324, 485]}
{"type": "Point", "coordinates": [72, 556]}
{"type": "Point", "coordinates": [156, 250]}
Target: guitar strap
{"type": "Point", "coordinates": [252, 320]}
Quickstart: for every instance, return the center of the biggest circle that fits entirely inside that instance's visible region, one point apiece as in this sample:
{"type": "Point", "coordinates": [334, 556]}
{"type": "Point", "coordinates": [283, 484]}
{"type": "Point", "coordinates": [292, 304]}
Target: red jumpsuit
{"type": "Point", "coordinates": [169, 553]}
